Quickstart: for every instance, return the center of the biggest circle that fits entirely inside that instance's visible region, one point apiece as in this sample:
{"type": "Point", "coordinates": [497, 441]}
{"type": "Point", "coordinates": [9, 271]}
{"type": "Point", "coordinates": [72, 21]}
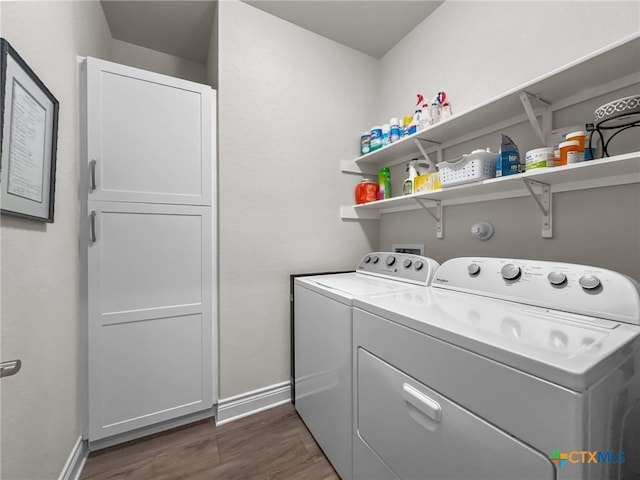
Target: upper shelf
{"type": "Point", "coordinates": [601, 67]}
{"type": "Point", "coordinates": [619, 170]}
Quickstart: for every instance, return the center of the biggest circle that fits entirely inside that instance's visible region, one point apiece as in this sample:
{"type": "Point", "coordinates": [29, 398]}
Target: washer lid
{"type": "Point", "coordinates": [567, 349]}
{"type": "Point", "coordinates": [345, 287]}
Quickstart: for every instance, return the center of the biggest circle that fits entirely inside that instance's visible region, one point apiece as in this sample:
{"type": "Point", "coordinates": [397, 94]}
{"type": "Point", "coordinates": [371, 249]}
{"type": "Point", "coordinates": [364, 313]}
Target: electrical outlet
{"type": "Point", "coordinates": [413, 249]}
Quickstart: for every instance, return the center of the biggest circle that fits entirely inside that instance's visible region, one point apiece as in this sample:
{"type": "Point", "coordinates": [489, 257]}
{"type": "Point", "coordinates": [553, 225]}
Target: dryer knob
{"type": "Point", "coordinates": [407, 263]}
{"type": "Point", "coordinates": [374, 259]}
{"type": "Point", "coordinates": [391, 260]}
{"type": "Point", "coordinates": [367, 259]}
{"type": "Point", "coordinates": [510, 271]}
{"type": "Point", "coordinates": [557, 278]}
{"type": "Point", "coordinates": [589, 282]}
{"type": "Point", "coordinates": [418, 265]}
{"type": "Point", "coordinates": [473, 269]}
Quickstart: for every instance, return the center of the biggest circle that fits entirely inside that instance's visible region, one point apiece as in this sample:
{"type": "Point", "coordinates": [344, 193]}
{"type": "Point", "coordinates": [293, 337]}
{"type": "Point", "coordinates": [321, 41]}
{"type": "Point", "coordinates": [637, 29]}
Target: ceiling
{"type": "Point", "coordinates": [183, 27]}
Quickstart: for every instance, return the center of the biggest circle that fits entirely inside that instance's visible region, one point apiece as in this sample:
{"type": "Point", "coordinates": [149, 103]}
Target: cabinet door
{"type": "Point", "coordinates": [150, 314]}
{"type": "Point", "coordinates": [149, 136]}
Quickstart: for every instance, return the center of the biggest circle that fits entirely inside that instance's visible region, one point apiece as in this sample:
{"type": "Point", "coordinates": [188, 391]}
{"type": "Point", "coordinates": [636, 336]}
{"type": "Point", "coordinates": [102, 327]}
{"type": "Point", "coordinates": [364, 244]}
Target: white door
{"type": "Point", "coordinates": [149, 136]}
{"type": "Point", "coordinates": [150, 348]}
{"type": "Point", "coordinates": [148, 247]}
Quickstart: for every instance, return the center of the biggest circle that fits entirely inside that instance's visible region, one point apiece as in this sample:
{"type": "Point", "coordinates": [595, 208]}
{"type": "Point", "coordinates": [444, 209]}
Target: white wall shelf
{"type": "Point", "coordinates": [605, 172]}
{"type": "Point", "coordinates": [600, 72]}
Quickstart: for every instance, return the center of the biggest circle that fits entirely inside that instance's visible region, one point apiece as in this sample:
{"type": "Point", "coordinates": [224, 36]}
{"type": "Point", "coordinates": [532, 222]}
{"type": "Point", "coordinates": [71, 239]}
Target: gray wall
{"type": "Point", "coordinates": [291, 105]}
{"type": "Point", "coordinates": [477, 50]}
{"type": "Point", "coordinates": [42, 405]}
{"type": "Point", "coordinates": [147, 59]}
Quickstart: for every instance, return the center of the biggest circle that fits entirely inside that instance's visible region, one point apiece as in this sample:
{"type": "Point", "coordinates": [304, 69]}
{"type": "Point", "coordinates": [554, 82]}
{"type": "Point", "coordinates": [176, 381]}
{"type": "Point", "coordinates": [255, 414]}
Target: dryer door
{"type": "Point", "coordinates": [418, 433]}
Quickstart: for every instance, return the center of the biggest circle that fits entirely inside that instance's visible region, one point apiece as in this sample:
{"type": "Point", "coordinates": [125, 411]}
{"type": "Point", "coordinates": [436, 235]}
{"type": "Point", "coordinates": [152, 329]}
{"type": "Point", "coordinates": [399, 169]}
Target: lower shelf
{"type": "Point", "coordinates": [606, 172]}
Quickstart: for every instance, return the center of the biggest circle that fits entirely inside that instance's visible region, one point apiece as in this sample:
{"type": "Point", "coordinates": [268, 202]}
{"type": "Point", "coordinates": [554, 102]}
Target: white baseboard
{"type": "Point", "coordinates": [245, 404]}
{"type": "Point", "coordinates": [75, 462]}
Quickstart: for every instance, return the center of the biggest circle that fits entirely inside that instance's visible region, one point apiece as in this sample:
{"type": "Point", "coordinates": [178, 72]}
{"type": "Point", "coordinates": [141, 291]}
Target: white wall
{"type": "Point", "coordinates": [41, 410]}
{"type": "Point", "coordinates": [291, 105]}
{"type": "Point", "coordinates": [154, 61]}
{"type": "Point", "coordinates": [477, 50]}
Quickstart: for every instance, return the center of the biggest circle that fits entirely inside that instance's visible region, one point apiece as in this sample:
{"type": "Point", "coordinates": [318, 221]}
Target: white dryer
{"type": "Point", "coordinates": [323, 342]}
{"type": "Point", "coordinates": [502, 369]}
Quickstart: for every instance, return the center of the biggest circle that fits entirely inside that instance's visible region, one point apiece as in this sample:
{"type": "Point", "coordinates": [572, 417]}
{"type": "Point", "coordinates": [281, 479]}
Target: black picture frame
{"type": "Point", "coordinates": [28, 140]}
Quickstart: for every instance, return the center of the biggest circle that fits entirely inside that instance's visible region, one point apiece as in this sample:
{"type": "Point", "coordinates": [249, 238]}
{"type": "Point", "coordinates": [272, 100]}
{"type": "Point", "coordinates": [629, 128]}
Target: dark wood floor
{"type": "Point", "coordinates": [271, 445]}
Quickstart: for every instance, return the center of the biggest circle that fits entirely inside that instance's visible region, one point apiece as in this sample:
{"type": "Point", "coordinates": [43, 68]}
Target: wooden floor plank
{"type": "Point", "coordinates": [270, 445]}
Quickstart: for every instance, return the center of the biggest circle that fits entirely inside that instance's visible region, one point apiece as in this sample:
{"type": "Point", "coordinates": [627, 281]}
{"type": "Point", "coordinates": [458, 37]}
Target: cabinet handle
{"type": "Point", "coordinates": [92, 220]}
{"type": "Point", "coordinates": [425, 404]}
{"type": "Point", "coordinates": [10, 368]}
{"type": "Point", "coordinates": [92, 173]}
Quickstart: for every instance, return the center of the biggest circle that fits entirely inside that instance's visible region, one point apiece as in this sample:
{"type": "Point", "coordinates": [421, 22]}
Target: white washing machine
{"type": "Point", "coordinates": [502, 369]}
{"type": "Point", "coordinates": [323, 342]}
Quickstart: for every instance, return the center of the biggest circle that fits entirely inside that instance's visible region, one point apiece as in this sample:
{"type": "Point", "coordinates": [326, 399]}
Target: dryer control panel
{"type": "Point", "coordinates": [566, 287]}
{"type": "Point", "coordinates": [399, 266]}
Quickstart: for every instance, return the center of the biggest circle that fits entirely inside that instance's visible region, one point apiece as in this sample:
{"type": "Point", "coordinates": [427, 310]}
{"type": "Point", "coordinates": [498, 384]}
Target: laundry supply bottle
{"type": "Point", "coordinates": [407, 186]}
{"type": "Point", "coordinates": [384, 183]}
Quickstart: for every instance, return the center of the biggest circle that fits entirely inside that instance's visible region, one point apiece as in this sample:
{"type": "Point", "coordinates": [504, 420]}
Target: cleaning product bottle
{"type": "Point", "coordinates": [384, 183]}
{"type": "Point", "coordinates": [407, 186]}
{"type": "Point", "coordinates": [417, 116]}
{"type": "Point", "coordinates": [509, 162]}
{"type": "Point", "coordinates": [395, 132]}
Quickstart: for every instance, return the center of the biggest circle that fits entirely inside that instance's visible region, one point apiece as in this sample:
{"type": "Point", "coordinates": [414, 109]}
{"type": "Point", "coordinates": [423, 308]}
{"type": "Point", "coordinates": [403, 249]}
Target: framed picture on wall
{"type": "Point", "coordinates": [28, 140]}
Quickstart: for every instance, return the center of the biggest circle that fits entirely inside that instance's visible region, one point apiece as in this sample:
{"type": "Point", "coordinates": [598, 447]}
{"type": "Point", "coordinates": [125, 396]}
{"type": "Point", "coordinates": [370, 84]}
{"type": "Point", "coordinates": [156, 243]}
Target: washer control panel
{"type": "Point", "coordinates": [399, 266]}
{"type": "Point", "coordinates": [566, 287]}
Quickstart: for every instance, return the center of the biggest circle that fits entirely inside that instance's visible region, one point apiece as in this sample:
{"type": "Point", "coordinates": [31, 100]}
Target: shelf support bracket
{"type": "Point", "coordinates": [437, 214]}
{"type": "Point", "coordinates": [424, 152]}
{"type": "Point", "coordinates": [541, 132]}
{"type": "Point", "coordinates": [544, 202]}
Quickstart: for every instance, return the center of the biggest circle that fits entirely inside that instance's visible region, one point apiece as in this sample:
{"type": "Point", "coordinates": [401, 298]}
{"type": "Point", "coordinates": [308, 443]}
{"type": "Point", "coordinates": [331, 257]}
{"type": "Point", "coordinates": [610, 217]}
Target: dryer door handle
{"type": "Point", "coordinates": [422, 402]}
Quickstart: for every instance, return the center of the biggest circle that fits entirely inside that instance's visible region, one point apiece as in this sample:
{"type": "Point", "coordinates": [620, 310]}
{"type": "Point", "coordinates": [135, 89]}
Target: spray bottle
{"type": "Point", "coordinates": [417, 116]}
{"type": "Point", "coordinates": [407, 186]}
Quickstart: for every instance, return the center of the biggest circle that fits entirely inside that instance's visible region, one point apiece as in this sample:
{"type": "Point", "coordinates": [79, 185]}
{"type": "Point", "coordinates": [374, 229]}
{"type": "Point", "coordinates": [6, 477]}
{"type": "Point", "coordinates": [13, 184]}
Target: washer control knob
{"type": "Point", "coordinates": [510, 271]}
{"type": "Point", "coordinates": [557, 278]}
{"type": "Point", "coordinates": [374, 259]}
{"type": "Point", "coordinates": [367, 259]}
{"type": "Point", "coordinates": [589, 282]}
{"type": "Point", "coordinates": [473, 269]}
{"type": "Point", "coordinates": [407, 263]}
{"type": "Point", "coordinates": [418, 265]}
{"type": "Point", "coordinates": [391, 260]}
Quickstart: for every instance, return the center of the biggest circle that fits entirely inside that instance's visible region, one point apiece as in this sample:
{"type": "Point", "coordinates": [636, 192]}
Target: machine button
{"type": "Point", "coordinates": [510, 271]}
{"type": "Point", "coordinates": [407, 263]}
{"type": "Point", "coordinates": [374, 259]}
{"type": "Point", "coordinates": [473, 269]}
{"type": "Point", "coordinates": [391, 260]}
{"type": "Point", "coordinates": [418, 265]}
{"type": "Point", "coordinates": [367, 259]}
{"type": "Point", "coordinates": [589, 282]}
{"type": "Point", "coordinates": [557, 278]}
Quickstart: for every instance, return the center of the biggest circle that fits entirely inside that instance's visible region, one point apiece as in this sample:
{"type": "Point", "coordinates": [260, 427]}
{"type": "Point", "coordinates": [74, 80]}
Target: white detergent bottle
{"type": "Point", "coordinates": [407, 186]}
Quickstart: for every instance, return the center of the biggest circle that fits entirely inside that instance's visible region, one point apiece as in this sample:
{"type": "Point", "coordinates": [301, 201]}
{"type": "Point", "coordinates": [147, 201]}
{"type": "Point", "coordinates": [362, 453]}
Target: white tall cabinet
{"type": "Point", "coordinates": [148, 245]}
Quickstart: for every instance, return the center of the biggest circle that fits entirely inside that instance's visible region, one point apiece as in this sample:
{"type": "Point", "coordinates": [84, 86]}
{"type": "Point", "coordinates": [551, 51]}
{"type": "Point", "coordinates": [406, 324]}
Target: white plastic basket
{"type": "Point", "coordinates": [478, 165]}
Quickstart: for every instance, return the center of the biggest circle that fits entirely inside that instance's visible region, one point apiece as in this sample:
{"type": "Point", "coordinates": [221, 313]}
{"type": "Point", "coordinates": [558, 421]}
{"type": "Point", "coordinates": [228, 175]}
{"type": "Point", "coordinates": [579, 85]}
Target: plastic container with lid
{"type": "Point", "coordinates": [394, 130]}
{"type": "Point", "coordinates": [386, 134]}
{"type": "Point", "coordinates": [580, 137]}
{"type": "Point", "coordinates": [366, 191]}
{"type": "Point", "coordinates": [376, 138]}
{"type": "Point", "coordinates": [365, 140]}
{"type": "Point", "coordinates": [539, 158]}
{"type": "Point", "coordinates": [569, 152]}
